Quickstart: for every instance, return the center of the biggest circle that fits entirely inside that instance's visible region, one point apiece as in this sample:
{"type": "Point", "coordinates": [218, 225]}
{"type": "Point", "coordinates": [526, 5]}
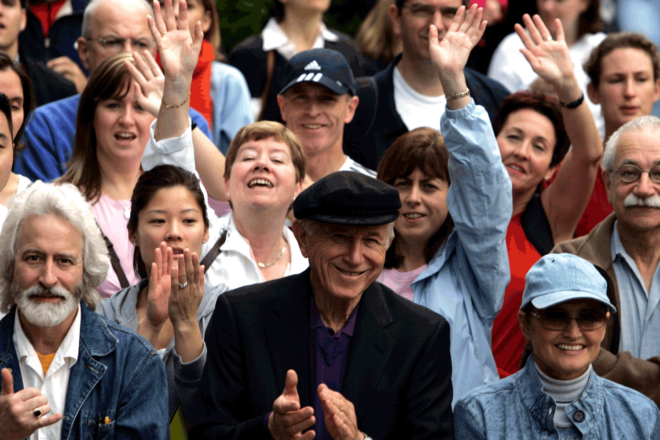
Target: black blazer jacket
{"type": "Point", "coordinates": [398, 374]}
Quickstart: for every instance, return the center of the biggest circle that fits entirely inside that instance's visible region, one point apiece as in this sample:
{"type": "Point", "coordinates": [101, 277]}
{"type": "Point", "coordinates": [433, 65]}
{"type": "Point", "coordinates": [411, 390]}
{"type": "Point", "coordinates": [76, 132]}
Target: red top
{"type": "Point", "coordinates": [597, 209]}
{"type": "Point", "coordinates": [508, 340]}
{"type": "Point", "coordinates": [46, 13]}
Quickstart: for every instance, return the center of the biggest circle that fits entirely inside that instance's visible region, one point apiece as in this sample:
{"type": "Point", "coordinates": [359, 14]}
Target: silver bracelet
{"type": "Point", "coordinates": [458, 95]}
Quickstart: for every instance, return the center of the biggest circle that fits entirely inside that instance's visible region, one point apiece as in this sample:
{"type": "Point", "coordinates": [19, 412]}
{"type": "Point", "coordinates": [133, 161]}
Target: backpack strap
{"type": "Point", "coordinates": [214, 252]}
{"type": "Point", "coordinates": [114, 261]}
{"type": "Point", "coordinates": [536, 226]}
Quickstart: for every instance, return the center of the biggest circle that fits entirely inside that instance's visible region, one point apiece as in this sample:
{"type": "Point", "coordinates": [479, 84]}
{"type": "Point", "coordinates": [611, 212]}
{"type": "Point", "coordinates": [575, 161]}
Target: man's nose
{"type": "Point", "coordinates": [48, 278]}
{"type": "Point", "coordinates": [355, 255]}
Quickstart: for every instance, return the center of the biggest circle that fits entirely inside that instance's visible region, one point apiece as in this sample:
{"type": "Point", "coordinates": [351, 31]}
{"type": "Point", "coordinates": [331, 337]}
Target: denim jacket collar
{"type": "Point", "coordinates": [95, 340]}
{"type": "Point", "coordinates": [542, 407]}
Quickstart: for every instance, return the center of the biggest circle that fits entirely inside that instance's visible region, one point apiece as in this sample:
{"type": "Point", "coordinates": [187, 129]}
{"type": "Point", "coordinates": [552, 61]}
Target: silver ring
{"type": "Point", "coordinates": [549, 38]}
{"type": "Point", "coordinates": [184, 285]}
{"type": "Point", "coordinates": [36, 412]}
{"type": "Point", "coordinates": [163, 34]}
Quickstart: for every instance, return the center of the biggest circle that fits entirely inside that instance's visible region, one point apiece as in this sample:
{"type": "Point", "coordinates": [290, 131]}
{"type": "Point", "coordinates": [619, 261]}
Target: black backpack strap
{"type": "Point", "coordinates": [214, 252]}
{"type": "Point", "coordinates": [536, 226]}
{"type": "Point", "coordinates": [114, 261]}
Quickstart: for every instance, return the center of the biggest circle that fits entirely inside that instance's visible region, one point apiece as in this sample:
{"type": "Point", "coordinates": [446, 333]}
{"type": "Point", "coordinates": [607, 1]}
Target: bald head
{"type": "Point", "coordinates": [113, 26]}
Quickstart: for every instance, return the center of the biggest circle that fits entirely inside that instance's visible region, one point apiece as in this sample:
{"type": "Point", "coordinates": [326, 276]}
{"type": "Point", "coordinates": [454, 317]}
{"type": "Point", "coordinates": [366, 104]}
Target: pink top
{"type": "Point", "coordinates": [400, 281]}
{"type": "Point", "coordinates": [112, 216]}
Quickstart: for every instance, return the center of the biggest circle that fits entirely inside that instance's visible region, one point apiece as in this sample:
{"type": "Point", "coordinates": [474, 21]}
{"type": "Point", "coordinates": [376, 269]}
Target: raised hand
{"type": "Point", "coordinates": [179, 51]}
{"type": "Point", "coordinates": [288, 420]}
{"type": "Point", "coordinates": [17, 410]}
{"type": "Point", "coordinates": [339, 413]}
{"type": "Point", "coordinates": [549, 58]}
{"type": "Point", "coordinates": [150, 81]}
{"type": "Point", "coordinates": [184, 301]}
{"type": "Point", "coordinates": [451, 54]}
{"type": "Point", "coordinates": [160, 286]}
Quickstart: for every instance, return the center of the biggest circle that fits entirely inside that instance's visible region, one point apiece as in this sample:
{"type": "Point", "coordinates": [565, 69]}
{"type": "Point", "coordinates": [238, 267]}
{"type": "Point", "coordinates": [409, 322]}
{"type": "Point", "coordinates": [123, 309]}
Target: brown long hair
{"type": "Point", "coordinates": [375, 38]}
{"type": "Point", "coordinates": [213, 34]}
{"type": "Point", "coordinates": [29, 101]}
{"type": "Point", "coordinates": [422, 148]}
{"type": "Point", "coordinates": [110, 80]}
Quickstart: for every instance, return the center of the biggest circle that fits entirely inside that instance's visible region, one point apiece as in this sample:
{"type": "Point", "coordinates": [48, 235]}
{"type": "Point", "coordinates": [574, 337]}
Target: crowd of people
{"type": "Point", "coordinates": [318, 238]}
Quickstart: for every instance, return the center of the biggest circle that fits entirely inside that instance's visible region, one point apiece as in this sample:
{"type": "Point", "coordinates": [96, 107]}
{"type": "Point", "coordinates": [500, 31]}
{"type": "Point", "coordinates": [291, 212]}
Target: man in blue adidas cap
{"type": "Point", "coordinates": [318, 100]}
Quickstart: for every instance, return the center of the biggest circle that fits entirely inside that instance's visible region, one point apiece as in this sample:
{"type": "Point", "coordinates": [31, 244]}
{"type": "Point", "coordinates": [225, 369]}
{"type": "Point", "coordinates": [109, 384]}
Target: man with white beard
{"type": "Point", "coordinates": [627, 246]}
{"type": "Point", "coordinates": [67, 372]}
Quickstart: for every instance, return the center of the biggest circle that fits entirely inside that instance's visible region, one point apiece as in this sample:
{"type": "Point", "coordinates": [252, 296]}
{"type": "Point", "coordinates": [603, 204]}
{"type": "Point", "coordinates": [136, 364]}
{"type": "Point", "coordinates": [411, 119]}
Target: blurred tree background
{"type": "Point", "coordinates": [242, 18]}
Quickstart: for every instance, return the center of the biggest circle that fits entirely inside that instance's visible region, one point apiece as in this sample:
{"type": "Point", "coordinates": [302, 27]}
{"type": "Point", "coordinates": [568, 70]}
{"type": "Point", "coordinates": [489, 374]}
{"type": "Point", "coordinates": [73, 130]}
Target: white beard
{"type": "Point", "coordinates": [45, 314]}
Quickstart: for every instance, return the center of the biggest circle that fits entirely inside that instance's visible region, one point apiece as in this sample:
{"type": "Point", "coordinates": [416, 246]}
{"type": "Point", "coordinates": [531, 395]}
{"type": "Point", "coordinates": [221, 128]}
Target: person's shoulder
{"type": "Point", "coordinates": [352, 165]}
{"type": "Point", "coordinates": [498, 391]}
{"type": "Point", "coordinates": [127, 340]}
{"type": "Point", "coordinates": [417, 319]}
{"type": "Point", "coordinates": [267, 293]}
{"type": "Point", "coordinates": [63, 107]}
{"type": "Point", "coordinates": [252, 44]}
{"type": "Point", "coordinates": [624, 400]}
{"type": "Point", "coordinates": [577, 246]}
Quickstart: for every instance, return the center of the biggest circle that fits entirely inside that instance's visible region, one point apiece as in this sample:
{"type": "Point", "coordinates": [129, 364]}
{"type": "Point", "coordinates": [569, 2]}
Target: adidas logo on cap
{"type": "Point", "coordinates": [313, 66]}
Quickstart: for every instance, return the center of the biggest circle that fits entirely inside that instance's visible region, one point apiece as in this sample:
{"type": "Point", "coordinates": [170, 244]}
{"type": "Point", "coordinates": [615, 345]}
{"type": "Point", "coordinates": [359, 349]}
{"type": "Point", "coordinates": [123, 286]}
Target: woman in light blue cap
{"type": "Point", "coordinates": [564, 313]}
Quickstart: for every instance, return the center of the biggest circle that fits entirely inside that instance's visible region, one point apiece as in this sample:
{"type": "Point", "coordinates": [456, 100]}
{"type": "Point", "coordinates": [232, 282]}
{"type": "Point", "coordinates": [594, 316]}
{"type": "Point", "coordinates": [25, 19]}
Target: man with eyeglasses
{"type": "Point", "coordinates": [627, 245]}
{"type": "Point", "coordinates": [409, 92]}
{"type": "Point", "coordinates": [109, 27]}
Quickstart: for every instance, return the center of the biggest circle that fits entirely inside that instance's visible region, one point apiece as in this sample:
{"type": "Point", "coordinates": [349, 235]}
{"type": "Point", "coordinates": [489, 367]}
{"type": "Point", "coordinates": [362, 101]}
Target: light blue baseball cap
{"type": "Point", "coordinates": [557, 278]}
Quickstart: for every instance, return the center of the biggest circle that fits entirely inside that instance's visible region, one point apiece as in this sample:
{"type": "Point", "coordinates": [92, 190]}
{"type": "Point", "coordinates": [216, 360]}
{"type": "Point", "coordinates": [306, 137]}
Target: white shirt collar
{"type": "Point", "coordinates": [67, 351]}
{"type": "Point", "coordinates": [275, 38]}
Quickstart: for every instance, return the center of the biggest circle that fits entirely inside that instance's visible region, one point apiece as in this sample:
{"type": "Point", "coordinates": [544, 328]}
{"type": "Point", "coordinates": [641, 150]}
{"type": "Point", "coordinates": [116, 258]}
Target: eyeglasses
{"type": "Point", "coordinates": [630, 173]}
{"type": "Point", "coordinates": [560, 320]}
{"type": "Point", "coordinates": [427, 11]}
{"type": "Point", "coordinates": [118, 44]}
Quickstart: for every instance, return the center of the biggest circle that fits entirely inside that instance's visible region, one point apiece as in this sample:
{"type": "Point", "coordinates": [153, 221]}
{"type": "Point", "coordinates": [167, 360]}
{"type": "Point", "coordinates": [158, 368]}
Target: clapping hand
{"type": "Point", "coordinates": [339, 412]}
{"type": "Point", "coordinates": [288, 420]}
{"type": "Point", "coordinates": [187, 290]}
{"type": "Point", "coordinates": [179, 51]}
{"type": "Point", "coordinates": [160, 282]}
{"type": "Point", "coordinates": [549, 58]}
{"type": "Point", "coordinates": [450, 55]}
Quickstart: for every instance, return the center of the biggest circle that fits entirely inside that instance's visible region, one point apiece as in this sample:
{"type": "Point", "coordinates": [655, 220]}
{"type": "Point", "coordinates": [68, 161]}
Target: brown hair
{"type": "Point", "coordinates": [213, 34]}
{"type": "Point", "coordinates": [29, 101]}
{"type": "Point", "coordinates": [546, 105]}
{"type": "Point", "coordinates": [266, 130]}
{"type": "Point", "coordinates": [590, 22]}
{"type": "Point", "coordinates": [149, 183]}
{"type": "Point", "coordinates": [110, 80]}
{"type": "Point", "coordinates": [422, 148]}
{"type": "Point", "coordinates": [375, 38]}
{"type": "Point", "coordinates": [621, 40]}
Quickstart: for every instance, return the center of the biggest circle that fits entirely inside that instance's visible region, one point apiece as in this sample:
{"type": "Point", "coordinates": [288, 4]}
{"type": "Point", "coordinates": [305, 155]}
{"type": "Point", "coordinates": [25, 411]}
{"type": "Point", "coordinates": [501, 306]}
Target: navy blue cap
{"type": "Point", "coordinates": [322, 66]}
{"type": "Point", "coordinates": [348, 198]}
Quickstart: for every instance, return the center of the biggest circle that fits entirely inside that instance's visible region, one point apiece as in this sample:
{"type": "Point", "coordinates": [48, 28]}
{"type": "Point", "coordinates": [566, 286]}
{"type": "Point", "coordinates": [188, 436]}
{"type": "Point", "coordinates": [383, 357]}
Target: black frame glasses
{"type": "Point", "coordinates": [630, 173]}
{"type": "Point", "coordinates": [586, 322]}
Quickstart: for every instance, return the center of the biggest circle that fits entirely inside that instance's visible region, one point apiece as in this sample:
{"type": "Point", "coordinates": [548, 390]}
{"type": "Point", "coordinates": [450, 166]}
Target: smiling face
{"type": "Point", "coordinates": [423, 206]}
{"type": "Point", "coordinates": [413, 20]}
{"type": "Point", "coordinates": [262, 176]}
{"type": "Point", "coordinates": [48, 269]}
{"type": "Point", "coordinates": [122, 130]}
{"type": "Point", "coordinates": [564, 354]}
{"type": "Point", "coordinates": [174, 217]}
{"type": "Point", "coordinates": [641, 148]}
{"type": "Point", "coordinates": [527, 141]}
{"type": "Point", "coordinates": [344, 260]}
{"type": "Point", "coordinates": [627, 89]}
{"type": "Point", "coordinates": [317, 116]}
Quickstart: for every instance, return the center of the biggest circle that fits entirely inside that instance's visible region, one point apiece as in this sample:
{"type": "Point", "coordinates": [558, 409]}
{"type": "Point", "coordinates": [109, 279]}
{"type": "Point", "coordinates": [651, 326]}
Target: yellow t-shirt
{"type": "Point", "coordinates": [46, 360]}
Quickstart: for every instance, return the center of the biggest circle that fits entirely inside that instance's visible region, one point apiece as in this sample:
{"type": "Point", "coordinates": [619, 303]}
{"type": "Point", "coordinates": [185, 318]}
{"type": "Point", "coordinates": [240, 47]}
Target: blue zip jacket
{"type": "Point", "coordinates": [517, 408]}
{"type": "Point", "coordinates": [466, 279]}
{"type": "Point", "coordinates": [50, 135]}
{"type": "Point", "coordinates": [118, 374]}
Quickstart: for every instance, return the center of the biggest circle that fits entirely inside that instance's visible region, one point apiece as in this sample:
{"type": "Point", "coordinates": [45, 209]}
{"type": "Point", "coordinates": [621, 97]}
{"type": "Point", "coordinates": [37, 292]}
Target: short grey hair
{"type": "Point", "coordinates": [91, 7]}
{"type": "Point", "coordinates": [66, 202]}
{"type": "Point", "coordinates": [310, 226]}
{"type": "Point", "coordinates": [642, 123]}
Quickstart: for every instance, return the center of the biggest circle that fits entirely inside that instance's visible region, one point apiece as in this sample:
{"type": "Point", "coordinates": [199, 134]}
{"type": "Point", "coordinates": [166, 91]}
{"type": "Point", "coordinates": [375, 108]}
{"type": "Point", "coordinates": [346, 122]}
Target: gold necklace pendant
{"type": "Point", "coordinates": [265, 266]}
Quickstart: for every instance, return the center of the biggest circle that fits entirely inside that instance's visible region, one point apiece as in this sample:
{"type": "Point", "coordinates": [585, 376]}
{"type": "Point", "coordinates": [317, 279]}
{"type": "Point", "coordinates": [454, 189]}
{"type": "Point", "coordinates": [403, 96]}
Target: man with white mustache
{"type": "Point", "coordinates": [67, 372]}
{"type": "Point", "coordinates": [627, 246]}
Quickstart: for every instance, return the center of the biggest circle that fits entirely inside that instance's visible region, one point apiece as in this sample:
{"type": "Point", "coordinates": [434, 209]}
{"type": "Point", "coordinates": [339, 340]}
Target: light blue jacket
{"type": "Point", "coordinates": [466, 279]}
{"type": "Point", "coordinates": [232, 104]}
{"type": "Point", "coordinates": [517, 408]}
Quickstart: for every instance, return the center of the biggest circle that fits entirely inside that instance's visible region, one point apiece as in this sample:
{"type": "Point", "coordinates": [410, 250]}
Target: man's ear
{"type": "Point", "coordinates": [281, 103]}
{"type": "Point", "coordinates": [594, 96]}
{"type": "Point", "coordinates": [83, 52]}
{"type": "Point", "coordinates": [301, 236]}
{"type": "Point", "coordinates": [23, 18]}
{"type": "Point", "coordinates": [656, 93]}
{"type": "Point", "coordinates": [607, 181]}
{"type": "Point", "coordinates": [353, 102]}
{"type": "Point", "coordinates": [395, 18]}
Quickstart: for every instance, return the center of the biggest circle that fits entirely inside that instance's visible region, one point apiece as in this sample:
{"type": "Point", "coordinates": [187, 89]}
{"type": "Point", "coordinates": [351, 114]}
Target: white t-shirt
{"type": "Point", "coordinates": [510, 67]}
{"type": "Point", "coordinates": [415, 109]}
{"type": "Point", "coordinates": [351, 165]}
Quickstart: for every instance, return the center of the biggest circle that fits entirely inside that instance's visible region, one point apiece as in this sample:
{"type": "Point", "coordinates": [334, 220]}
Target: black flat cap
{"type": "Point", "coordinates": [348, 198]}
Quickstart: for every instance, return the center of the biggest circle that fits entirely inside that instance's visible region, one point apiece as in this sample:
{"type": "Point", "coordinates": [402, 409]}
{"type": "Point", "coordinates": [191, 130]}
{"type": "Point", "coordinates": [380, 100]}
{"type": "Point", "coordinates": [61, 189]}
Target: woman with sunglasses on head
{"type": "Point", "coordinates": [564, 314]}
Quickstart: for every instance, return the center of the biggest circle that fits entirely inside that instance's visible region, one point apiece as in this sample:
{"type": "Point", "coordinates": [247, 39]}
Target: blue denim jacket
{"type": "Point", "coordinates": [517, 408]}
{"type": "Point", "coordinates": [466, 279]}
{"type": "Point", "coordinates": [118, 375]}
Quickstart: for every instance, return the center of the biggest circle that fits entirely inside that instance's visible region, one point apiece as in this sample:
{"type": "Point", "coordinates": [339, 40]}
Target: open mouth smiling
{"type": "Point", "coordinates": [260, 183]}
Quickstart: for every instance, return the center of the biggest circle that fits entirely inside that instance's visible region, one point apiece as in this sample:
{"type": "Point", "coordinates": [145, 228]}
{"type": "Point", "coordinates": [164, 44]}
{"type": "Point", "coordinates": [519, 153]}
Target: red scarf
{"type": "Point", "coordinates": [200, 89]}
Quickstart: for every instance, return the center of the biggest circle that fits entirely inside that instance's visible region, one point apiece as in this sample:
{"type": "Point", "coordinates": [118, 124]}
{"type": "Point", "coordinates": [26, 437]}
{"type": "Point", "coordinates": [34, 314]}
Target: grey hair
{"type": "Point", "coordinates": [91, 7]}
{"type": "Point", "coordinates": [641, 123]}
{"type": "Point", "coordinates": [309, 226]}
{"type": "Point", "coordinates": [66, 202]}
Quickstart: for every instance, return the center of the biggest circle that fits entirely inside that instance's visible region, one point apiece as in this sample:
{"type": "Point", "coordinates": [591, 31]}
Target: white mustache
{"type": "Point", "coordinates": [632, 200]}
